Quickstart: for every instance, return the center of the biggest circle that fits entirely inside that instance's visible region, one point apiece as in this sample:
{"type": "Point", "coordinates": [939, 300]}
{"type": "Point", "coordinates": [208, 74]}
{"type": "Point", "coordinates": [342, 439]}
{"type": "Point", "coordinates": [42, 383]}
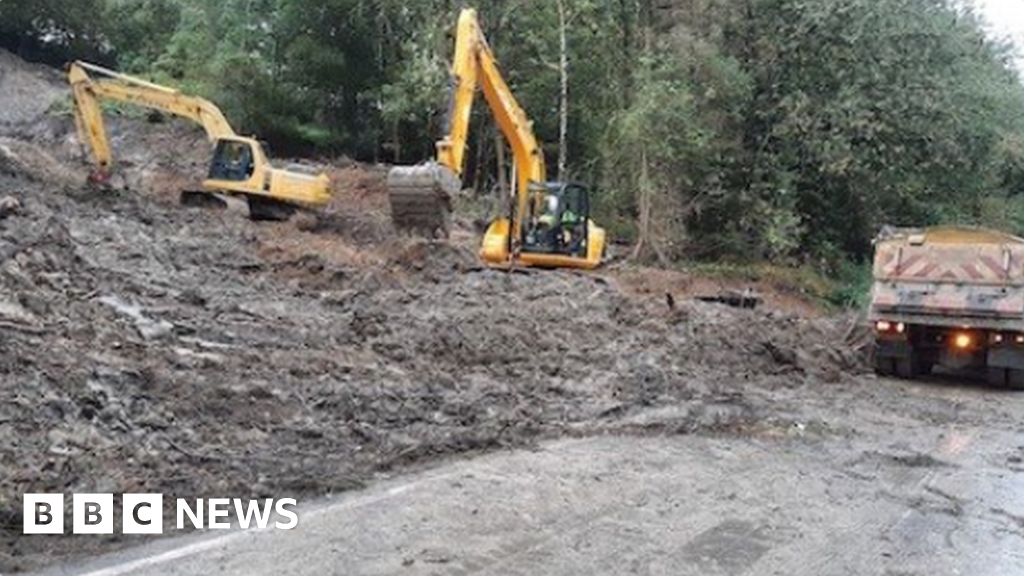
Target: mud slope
{"type": "Point", "coordinates": [26, 90]}
{"type": "Point", "coordinates": [148, 347]}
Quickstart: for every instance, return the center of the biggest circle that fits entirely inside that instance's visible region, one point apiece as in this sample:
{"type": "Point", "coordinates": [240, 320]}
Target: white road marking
{"type": "Point", "coordinates": [209, 544]}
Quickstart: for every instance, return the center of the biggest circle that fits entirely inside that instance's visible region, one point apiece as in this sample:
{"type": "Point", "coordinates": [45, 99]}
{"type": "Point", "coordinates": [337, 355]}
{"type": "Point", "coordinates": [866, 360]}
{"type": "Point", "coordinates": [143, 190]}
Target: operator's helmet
{"type": "Point", "coordinates": [552, 206]}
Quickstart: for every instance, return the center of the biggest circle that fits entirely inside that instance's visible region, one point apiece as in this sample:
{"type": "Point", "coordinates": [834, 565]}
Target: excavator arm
{"type": "Point", "coordinates": [122, 88]}
{"type": "Point", "coordinates": [420, 195]}
{"type": "Point", "coordinates": [475, 64]}
{"type": "Point", "coordinates": [270, 191]}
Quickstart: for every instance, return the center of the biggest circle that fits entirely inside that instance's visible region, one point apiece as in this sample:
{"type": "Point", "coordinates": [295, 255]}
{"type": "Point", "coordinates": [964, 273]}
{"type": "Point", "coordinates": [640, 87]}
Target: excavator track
{"type": "Point", "coordinates": [202, 199]}
{"type": "Point", "coordinates": [269, 209]}
{"type": "Point", "coordinates": [420, 198]}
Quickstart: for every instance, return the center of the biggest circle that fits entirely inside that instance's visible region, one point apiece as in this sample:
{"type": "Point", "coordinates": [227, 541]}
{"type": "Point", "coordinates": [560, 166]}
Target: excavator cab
{"type": "Point", "coordinates": [233, 160]}
{"type": "Point", "coordinates": [557, 221]}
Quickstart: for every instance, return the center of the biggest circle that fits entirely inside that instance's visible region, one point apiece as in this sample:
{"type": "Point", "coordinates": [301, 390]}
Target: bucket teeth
{"type": "Point", "coordinates": [420, 198]}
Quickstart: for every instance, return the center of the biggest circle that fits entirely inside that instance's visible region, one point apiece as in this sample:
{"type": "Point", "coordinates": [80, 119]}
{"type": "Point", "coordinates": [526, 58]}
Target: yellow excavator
{"type": "Point", "coordinates": [239, 166]}
{"type": "Point", "coordinates": [548, 224]}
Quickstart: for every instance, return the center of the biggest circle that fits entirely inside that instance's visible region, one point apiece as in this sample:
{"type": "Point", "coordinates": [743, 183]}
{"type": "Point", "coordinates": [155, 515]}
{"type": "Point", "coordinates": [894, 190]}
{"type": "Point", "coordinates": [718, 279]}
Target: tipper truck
{"type": "Point", "coordinates": [951, 296]}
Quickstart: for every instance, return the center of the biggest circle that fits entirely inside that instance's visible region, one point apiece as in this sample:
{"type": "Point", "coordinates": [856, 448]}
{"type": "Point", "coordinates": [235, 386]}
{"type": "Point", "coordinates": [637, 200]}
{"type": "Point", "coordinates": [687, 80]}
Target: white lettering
{"type": "Point", "coordinates": [253, 510]}
{"type": "Point", "coordinates": [218, 508]}
{"type": "Point", "coordinates": [287, 514]}
{"type": "Point", "coordinates": [196, 518]}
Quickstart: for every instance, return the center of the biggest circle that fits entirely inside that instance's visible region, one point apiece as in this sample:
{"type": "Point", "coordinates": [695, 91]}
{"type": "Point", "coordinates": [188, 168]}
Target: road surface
{"type": "Point", "coordinates": [861, 488]}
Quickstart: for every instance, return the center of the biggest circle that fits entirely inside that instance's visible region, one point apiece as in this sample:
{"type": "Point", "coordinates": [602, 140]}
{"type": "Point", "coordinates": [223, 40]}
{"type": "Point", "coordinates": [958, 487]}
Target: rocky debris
{"type": "Point", "coordinates": [149, 328]}
{"type": "Point", "coordinates": [27, 90]}
{"type": "Point", "coordinates": [13, 312]}
{"type": "Point", "coordinates": [146, 347]}
{"type": "Point", "coordinates": [179, 360]}
{"type": "Point", "coordinates": [22, 159]}
{"type": "Point", "coordinates": [435, 261]}
{"type": "Point", "coordinates": [9, 206]}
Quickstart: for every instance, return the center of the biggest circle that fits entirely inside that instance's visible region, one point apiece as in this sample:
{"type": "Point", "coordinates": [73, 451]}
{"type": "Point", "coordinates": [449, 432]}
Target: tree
{"type": "Point", "coordinates": [869, 112]}
{"type": "Point", "coordinates": [143, 30]}
{"type": "Point", "coordinates": [53, 31]}
{"type": "Point", "coordinates": [767, 129]}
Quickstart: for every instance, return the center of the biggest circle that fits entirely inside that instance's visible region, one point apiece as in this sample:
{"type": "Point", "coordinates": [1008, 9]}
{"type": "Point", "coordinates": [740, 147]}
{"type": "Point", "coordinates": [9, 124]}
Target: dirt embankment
{"type": "Point", "coordinates": [26, 90]}
{"type": "Point", "coordinates": [152, 348]}
{"type": "Point", "coordinates": [146, 347]}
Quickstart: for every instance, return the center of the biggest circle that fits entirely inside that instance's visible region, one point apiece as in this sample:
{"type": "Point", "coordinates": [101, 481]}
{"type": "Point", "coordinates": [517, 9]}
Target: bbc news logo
{"type": "Point", "coordinates": [144, 513]}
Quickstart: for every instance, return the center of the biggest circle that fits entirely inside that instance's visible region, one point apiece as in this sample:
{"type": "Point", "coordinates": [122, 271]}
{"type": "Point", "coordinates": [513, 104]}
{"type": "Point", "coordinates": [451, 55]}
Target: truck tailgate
{"type": "Point", "coordinates": [968, 280]}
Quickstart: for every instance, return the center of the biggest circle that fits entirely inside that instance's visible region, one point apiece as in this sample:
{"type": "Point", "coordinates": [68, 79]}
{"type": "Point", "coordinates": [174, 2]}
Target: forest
{"type": "Point", "coordinates": [782, 131]}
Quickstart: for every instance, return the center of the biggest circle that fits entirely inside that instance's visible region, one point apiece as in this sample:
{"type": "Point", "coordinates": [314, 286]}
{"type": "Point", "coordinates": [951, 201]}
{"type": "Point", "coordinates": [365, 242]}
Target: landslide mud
{"type": "Point", "coordinates": [148, 347]}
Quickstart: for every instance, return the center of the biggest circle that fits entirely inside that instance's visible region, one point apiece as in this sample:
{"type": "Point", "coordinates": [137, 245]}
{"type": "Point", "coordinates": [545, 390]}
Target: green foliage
{"type": "Point", "coordinates": [876, 112]}
{"type": "Point", "coordinates": [412, 99]}
{"type": "Point", "coordinates": [804, 282]}
{"type": "Point", "coordinates": [851, 286]}
{"type": "Point", "coordinates": [53, 30]}
{"type": "Point", "coordinates": [653, 149]}
{"type": "Point", "coordinates": [785, 131]}
{"type": "Point", "coordinates": [145, 28]}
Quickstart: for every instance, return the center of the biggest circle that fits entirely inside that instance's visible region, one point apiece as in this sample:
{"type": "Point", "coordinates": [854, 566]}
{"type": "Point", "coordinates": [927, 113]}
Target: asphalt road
{"type": "Point", "coordinates": [860, 489]}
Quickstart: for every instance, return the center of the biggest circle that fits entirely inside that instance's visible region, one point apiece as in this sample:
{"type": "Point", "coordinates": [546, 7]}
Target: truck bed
{"type": "Point", "coordinates": [951, 277]}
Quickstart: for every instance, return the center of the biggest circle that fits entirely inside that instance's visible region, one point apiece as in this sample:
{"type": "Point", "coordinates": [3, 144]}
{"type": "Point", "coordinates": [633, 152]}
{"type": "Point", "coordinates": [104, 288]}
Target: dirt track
{"type": "Point", "coordinates": [146, 347]}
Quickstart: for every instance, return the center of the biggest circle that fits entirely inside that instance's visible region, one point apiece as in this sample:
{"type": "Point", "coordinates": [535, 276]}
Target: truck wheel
{"type": "Point", "coordinates": [909, 367]}
{"type": "Point", "coordinates": [1015, 379]}
{"type": "Point", "coordinates": [885, 366]}
{"type": "Point", "coordinates": [995, 376]}
{"type": "Point", "coordinates": [925, 367]}
{"type": "Point", "coordinates": [905, 369]}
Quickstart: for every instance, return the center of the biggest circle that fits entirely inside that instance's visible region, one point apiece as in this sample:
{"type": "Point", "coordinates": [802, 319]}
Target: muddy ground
{"type": "Point", "coordinates": [149, 347]}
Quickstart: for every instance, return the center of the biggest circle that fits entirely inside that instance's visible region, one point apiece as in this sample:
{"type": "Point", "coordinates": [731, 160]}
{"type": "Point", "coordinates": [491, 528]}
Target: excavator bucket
{"type": "Point", "coordinates": [421, 198]}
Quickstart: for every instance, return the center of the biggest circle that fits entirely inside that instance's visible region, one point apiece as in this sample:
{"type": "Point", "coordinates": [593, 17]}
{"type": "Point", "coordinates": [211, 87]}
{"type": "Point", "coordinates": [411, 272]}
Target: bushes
{"type": "Point", "coordinates": [778, 130]}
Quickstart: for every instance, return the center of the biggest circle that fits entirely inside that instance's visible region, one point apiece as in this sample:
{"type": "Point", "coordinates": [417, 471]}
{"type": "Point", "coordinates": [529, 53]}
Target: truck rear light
{"type": "Point", "coordinates": [887, 326]}
{"type": "Point", "coordinates": [962, 340]}
{"type": "Point", "coordinates": [1001, 337]}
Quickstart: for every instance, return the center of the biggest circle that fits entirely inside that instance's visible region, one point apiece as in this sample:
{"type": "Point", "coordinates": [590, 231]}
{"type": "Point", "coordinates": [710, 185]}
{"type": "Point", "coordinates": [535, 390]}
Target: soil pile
{"type": "Point", "coordinates": [26, 90]}
{"type": "Point", "coordinates": [148, 347]}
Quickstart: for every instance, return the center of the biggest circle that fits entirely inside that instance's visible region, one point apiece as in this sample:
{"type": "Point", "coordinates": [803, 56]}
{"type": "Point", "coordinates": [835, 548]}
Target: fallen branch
{"type": "Point", "coordinates": [22, 328]}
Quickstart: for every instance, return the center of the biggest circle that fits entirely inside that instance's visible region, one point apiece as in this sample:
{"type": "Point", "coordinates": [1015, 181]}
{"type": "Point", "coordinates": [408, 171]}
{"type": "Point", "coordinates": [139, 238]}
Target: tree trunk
{"type": "Point", "coordinates": [644, 206]}
{"type": "Point", "coordinates": [498, 201]}
{"type": "Point", "coordinates": [481, 161]}
{"type": "Point", "coordinates": [647, 239]}
{"type": "Point", "coordinates": [563, 76]}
